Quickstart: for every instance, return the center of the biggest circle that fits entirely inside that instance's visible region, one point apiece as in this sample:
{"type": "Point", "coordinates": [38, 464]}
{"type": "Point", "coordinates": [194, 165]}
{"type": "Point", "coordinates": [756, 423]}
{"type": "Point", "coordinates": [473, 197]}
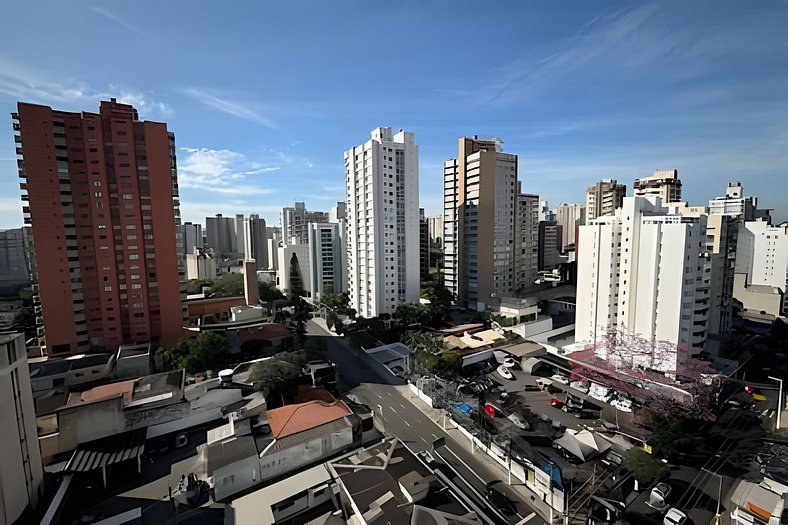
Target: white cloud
{"type": "Point", "coordinates": [231, 108]}
{"type": "Point", "coordinates": [220, 171]}
{"type": "Point", "coordinates": [22, 83]}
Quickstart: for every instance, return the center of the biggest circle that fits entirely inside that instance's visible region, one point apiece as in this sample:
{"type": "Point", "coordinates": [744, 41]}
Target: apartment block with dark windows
{"type": "Point", "coordinates": [101, 195]}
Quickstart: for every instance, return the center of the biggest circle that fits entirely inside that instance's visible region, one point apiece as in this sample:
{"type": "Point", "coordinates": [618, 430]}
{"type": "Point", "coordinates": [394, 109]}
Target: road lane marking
{"type": "Point", "coordinates": [392, 409]}
{"type": "Point", "coordinates": [406, 422]}
{"type": "Point", "coordinates": [403, 406]}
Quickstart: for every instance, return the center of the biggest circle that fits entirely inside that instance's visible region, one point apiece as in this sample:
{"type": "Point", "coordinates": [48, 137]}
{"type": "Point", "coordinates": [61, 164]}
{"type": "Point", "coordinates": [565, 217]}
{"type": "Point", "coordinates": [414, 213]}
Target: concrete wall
{"type": "Point", "coordinates": [21, 472]}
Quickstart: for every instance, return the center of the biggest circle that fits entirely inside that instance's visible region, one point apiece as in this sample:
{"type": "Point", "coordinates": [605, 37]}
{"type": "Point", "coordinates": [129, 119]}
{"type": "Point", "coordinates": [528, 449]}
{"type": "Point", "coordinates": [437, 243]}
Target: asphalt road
{"type": "Point", "coordinates": [366, 380]}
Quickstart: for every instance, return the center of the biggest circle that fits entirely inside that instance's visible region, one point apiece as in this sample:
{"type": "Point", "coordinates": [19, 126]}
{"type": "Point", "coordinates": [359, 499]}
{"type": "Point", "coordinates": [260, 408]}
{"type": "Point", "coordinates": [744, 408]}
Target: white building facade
{"type": "Point", "coordinates": [382, 197]}
{"type": "Point", "coordinates": [569, 216]}
{"type": "Point", "coordinates": [327, 269]}
{"type": "Point", "coordinates": [21, 473]}
{"type": "Point", "coordinates": [762, 254]}
{"type": "Point", "coordinates": [640, 272]}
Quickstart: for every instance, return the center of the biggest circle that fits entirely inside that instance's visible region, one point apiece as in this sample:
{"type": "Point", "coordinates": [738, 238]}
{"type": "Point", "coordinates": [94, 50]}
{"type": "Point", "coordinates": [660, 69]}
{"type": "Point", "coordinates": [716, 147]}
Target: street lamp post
{"type": "Point", "coordinates": [779, 400]}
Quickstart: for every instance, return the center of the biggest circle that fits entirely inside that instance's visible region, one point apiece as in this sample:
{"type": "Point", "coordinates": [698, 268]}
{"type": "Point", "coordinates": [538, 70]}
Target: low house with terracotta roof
{"type": "Point", "coordinates": [242, 457]}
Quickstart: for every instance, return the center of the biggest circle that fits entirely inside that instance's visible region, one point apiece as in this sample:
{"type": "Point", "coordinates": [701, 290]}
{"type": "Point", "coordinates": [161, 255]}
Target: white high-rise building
{"type": "Point", "coordinates": [762, 267]}
{"type": "Point", "coordinates": [569, 216]}
{"type": "Point", "coordinates": [641, 272]}
{"type": "Point", "coordinates": [326, 259]}
{"type": "Point", "coordinates": [382, 196]}
{"type": "Point", "coordinates": [735, 204]}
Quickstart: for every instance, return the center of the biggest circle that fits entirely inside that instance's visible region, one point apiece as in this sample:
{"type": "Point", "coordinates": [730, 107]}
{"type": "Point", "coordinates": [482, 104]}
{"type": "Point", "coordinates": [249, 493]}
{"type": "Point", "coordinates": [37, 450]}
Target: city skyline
{"type": "Point", "coordinates": [580, 94]}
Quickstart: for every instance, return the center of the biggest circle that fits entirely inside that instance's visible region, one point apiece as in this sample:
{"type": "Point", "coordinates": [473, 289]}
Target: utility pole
{"type": "Point", "coordinates": [717, 516]}
{"type": "Point", "coordinates": [779, 400]}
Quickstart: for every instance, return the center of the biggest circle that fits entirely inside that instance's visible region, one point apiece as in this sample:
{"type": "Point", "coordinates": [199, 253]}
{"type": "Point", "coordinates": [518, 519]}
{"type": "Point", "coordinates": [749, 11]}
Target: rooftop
{"type": "Point", "coordinates": [292, 419]}
{"type": "Point", "coordinates": [388, 484]}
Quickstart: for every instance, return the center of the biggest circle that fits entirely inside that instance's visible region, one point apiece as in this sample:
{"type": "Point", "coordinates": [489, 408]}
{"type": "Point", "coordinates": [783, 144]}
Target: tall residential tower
{"type": "Point", "coordinates": [480, 197]}
{"type": "Point", "coordinates": [603, 198]}
{"type": "Point", "coordinates": [382, 195]}
{"type": "Point", "coordinates": [102, 198]}
{"type": "Point", "coordinates": [664, 184]}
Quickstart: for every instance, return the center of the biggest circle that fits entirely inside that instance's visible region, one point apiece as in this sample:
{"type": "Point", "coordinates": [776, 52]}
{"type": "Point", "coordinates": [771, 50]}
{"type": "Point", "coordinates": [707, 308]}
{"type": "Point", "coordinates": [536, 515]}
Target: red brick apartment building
{"type": "Point", "coordinates": [101, 193]}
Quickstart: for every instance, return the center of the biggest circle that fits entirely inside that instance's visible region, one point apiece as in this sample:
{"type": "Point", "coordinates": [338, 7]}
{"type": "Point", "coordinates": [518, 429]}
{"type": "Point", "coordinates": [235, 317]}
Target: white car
{"type": "Point", "coordinates": [558, 378]}
{"type": "Point", "coordinates": [622, 404]}
{"type": "Point", "coordinates": [504, 372]}
{"type": "Point", "coordinates": [579, 386]}
{"type": "Point", "coordinates": [675, 517]}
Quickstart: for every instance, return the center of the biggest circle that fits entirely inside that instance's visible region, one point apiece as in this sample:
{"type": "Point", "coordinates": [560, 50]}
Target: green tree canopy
{"type": "Point", "coordinates": [229, 285]}
{"type": "Point", "coordinates": [270, 293]}
{"type": "Point", "coordinates": [281, 368]}
{"type": "Point", "coordinates": [339, 301]}
{"type": "Point", "coordinates": [24, 322]}
{"type": "Point", "coordinates": [645, 467]}
{"type": "Point", "coordinates": [207, 351]}
{"type": "Point", "coordinates": [446, 365]}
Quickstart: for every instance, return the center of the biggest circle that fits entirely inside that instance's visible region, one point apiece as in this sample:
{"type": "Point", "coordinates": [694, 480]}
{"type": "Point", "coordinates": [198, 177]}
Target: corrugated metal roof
{"type": "Point", "coordinates": [107, 451]}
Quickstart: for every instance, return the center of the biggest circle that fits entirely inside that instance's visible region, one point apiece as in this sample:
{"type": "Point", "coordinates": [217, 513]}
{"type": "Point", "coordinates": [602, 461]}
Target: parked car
{"type": "Point", "coordinates": [509, 362]}
{"type": "Point", "coordinates": [505, 373]}
{"type": "Point", "coordinates": [472, 389]}
{"type": "Point", "coordinates": [623, 404]}
{"type": "Point", "coordinates": [658, 497]}
{"type": "Point", "coordinates": [581, 386]}
{"type": "Point", "coordinates": [519, 421]}
{"type": "Point", "coordinates": [612, 459]}
{"type": "Point", "coordinates": [675, 517]}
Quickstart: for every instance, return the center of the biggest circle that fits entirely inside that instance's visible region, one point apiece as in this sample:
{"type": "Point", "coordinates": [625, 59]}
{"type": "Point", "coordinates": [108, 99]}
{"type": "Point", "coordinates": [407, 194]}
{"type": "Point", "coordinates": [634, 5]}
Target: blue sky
{"type": "Point", "coordinates": [264, 97]}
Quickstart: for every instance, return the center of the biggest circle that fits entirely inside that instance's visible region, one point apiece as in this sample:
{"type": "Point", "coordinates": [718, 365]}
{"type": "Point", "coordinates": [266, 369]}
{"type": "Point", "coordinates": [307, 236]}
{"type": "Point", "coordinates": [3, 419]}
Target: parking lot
{"type": "Point", "coordinates": [523, 391]}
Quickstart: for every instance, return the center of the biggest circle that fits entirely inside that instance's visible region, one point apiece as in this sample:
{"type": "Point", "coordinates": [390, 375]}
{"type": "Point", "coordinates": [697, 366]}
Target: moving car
{"type": "Point", "coordinates": [504, 372]}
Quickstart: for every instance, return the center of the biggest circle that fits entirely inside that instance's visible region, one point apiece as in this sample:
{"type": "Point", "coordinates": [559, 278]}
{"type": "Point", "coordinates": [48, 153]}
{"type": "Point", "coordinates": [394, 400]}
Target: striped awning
{"type": "Point", "coordinates": [107, 451]}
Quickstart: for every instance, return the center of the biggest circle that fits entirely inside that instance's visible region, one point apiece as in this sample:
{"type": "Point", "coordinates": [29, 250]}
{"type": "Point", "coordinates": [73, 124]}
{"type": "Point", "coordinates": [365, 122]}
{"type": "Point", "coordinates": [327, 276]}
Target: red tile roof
{"type": "Point", "coordinates": [292, 419]}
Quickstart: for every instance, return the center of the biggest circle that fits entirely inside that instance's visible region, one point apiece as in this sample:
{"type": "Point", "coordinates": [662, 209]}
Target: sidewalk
{"type": "Point", "coordinates": [525, 494]}
{"type": "Point", "coordinates": [321, 323]}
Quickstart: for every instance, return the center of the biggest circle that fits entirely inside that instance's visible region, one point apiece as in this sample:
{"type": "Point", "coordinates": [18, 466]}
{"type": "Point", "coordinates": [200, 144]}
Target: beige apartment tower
{"type": "Point", "coordinates": [603, 198]}
{"type": "Point", "coordinates": [664, 184]}
{"type": "Point", "coordinates": [480, 188]}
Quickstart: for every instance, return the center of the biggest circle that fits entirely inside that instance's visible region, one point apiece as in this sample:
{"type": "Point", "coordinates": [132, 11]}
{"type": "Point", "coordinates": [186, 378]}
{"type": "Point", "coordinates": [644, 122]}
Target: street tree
{"type": "Point", "coordinates": [207, 351]}
{"type": "Point", "coordinates": [644, 467]}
